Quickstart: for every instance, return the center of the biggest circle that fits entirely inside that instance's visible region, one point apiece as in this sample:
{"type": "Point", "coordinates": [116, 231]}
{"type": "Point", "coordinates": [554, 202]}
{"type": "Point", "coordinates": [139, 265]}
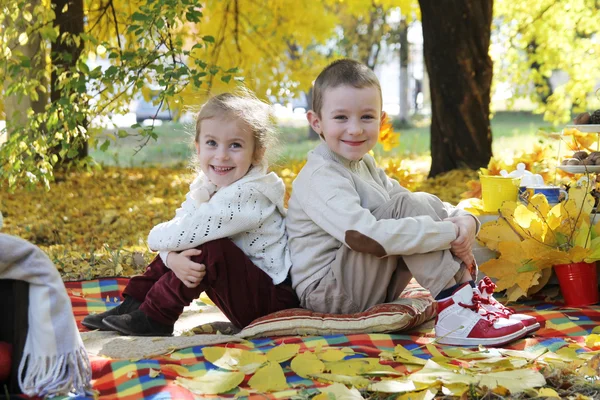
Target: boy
{"type": "Point", "coordinates": [357, 237]}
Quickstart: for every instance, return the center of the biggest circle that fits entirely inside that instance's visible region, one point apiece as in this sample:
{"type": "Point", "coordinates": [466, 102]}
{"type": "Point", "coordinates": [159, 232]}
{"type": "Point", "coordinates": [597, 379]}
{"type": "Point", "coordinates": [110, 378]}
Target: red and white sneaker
{"type": "Point", "coordinates": [485, 289]}
{"type": "Point", "coordinates": [463, 321]}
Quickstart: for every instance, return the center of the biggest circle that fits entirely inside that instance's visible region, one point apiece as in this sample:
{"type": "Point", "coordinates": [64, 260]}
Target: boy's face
{"type": "Point", "coordinates": [350, 120]}
{"type": "Point", "coordinates": [225, 150]}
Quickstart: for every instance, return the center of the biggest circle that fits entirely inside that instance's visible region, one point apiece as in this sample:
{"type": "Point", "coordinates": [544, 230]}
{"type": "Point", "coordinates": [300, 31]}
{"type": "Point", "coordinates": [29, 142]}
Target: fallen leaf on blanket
{"type": "Point", "coordinates": [332, 355]}
{"type": "Point", "coordinates": [548, 392]}
{"type": "Point", "coordinates": [234, 359]}
{"type": "Point", "coordinates": [353, 367]}
{"type": "Point", "coordinates": [152, 373]}
{"type": "Point", "coordinates": [383, 370]}
{"type": "Point", "coordinates": [268, 378]}
{"type": "Point", "coordinates": [205, 299]}
{"type": "Point", "coordinates": [594, 363]}
{"type": "Point", "coordinates": [455, 389]}
{"type": "Point", "coordinates": [406, 357]}
{"type": "Point", "coordinates": [305, 364]}
{"type": "Point", "coordinates": [572, 318]}
{"type": "Point", "coordinates": [523, 354]}
{"type": "Point", "coordinates": [180, 370]}
{"type": "Point", "coordinates": [107, 299]}
{"type": "Point", "coordinates": [242, 393]}
{"type": "Point", "coordinates": [596, 329]}
{"type": "Point", "coordinates": [357, 381]}
{"type": "Point", "coordinates": [338, 391]}
{"type": "Point", "coordinates": [592, 340]}
{"type": "Point", "coordinates": [423, 395]}
{"type": "Point", "coordinates": [130, 374]}
{"type": "Point", "coordinates": [213, 382]}
{"type": "Point", "coordinates": [435, 352]}
{"type": "Point", "coordinates": [392, 386]}
{"type": "Point", "coordinates": [347, 350]}
{"type": "Point", "coordinates": [282, 352]}
{"type": "Point", "coordinates": [515, 381]}
{"type": "Point", "coordinates": [497, 363]}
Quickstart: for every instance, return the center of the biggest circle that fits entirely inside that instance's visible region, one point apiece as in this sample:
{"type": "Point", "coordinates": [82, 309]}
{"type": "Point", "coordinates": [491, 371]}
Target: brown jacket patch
{"type": "Point", "coordinates": [364, 244]}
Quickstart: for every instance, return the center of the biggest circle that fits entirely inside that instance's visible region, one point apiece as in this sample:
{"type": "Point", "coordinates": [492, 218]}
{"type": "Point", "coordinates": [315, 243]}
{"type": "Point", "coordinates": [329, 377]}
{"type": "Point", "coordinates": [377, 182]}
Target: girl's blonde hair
{"type": "Point", "coordinates": [248, 109]}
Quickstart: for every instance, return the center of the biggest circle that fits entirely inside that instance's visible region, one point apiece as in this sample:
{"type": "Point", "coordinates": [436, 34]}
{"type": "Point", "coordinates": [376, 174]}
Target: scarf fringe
{"type": "Point", "coordinates": [54, 375]}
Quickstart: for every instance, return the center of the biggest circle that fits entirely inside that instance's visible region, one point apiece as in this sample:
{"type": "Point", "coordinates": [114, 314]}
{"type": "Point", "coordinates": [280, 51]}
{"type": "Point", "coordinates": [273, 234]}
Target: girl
{"type": "Point", "coordinates": [227, 239]}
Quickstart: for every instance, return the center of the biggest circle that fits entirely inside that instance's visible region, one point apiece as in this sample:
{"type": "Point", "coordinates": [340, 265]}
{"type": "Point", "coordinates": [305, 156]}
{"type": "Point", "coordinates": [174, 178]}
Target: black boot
{"type": "Point", "coordinates": [94, 321]}
{"type": "Point", "coordinates": [136, 323]}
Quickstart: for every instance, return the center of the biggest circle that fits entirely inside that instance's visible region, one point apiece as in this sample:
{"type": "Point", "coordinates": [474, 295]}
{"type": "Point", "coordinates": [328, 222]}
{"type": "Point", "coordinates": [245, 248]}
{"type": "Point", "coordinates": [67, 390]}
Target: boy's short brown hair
{"type": "Point", "coordinates": [343, 72]}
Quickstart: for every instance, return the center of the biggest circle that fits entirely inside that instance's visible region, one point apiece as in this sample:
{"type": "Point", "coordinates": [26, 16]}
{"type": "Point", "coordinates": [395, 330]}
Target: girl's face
{"type": "Point", "coordinates": [225, 149]}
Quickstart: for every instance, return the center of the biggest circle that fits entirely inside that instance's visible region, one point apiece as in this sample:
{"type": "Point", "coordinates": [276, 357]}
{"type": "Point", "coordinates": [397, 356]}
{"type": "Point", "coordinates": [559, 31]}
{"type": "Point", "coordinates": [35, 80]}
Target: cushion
{"type": "Point", "coordinates": [414, 307]}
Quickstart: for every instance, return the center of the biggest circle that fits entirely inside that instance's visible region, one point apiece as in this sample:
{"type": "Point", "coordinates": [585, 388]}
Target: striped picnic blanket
{"type": "Point", "coordinates": [136, 379]}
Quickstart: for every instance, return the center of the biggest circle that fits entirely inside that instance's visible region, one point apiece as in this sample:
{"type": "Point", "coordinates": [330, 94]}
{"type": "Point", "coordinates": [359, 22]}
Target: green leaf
{"type": "Point", "coordinates": [105, 145]}
{"type": "Point", "coordinates": [208, 39]}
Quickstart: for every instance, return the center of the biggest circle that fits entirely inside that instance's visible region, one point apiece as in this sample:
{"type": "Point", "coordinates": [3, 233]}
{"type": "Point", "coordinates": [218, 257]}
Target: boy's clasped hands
{"type": "Point", "coordinates": [466, 230]}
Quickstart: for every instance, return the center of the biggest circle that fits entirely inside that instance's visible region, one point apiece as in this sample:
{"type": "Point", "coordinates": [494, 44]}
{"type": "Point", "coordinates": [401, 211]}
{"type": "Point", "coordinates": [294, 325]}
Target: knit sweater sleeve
{"type": "Point", "coordinates": [333, 203]}
{"type": "Point", "coordinates": [232, 210]}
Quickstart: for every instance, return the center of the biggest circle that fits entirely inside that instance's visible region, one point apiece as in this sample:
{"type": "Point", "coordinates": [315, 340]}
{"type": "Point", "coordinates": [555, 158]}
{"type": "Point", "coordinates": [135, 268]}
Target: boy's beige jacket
{"type": "Point", "coordinates": [331, 206]}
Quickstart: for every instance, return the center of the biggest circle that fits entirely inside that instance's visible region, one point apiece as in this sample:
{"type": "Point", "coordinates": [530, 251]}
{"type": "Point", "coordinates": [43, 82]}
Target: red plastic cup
{"type": "Point", "coordinates": [578, 283]}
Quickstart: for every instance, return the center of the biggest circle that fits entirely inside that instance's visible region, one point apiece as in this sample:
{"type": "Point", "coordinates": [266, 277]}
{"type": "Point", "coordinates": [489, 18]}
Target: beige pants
{"type": "Point", "coordinates": [357, 281]}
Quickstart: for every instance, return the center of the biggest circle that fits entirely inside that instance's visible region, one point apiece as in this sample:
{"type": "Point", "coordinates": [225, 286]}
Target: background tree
{"type": "Point", "coordinates": [540, 40]}
{"type": "Point", "coordinates": [456, 44]}
{"type": "Point", "coordinates": [148, 44]}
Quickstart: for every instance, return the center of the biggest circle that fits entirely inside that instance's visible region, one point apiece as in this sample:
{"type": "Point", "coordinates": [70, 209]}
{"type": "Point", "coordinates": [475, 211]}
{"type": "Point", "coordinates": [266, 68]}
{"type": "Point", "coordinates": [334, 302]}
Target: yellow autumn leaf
{"type": "Point", "coordinates": [353, 367]}
{"type": "Point", "coordinates": [182, 371]}
{"type": "Point", "coordinates": [548, 393]}
{"type": "Point", "coordinates": [393, 386]}
{"type": "Point", "coordinates": [234, 359]}
{"type": "Point", "coordinates": [455, 389]}
{"type": "Point", "coordinates": [515, 381]}
{"type": "Point", "coordinates": [495, 232]}
{"type": "Point", "coordinates": [268, 378]}
{"type": "Point", "coordinates": [306, 364]}
{"type": "Point", "coordinates": [357, 381]}
{"type": "Point", "coordinates": [427, 394]}
{"type": "Point", "coordinates": [514, 293]}
{"type": "Point", "coordinates": [433, 350]}
{"type": "Point", "coordinates": [205, 299]}
{"type": "Point", "coordinates": [332, 355]}
{"type": "Point", "coordinates": [152, 373]}
{"type": "Point", "coordinates": [406, 357]}
{"type": "Point", "coordinates": [338, 391]}
{"type": "Point", "coordinates": [213, 382]}
{"type": "Point", "coordinates": [539, 204]}
{"type": "Point", "coordinates": [282, 352]}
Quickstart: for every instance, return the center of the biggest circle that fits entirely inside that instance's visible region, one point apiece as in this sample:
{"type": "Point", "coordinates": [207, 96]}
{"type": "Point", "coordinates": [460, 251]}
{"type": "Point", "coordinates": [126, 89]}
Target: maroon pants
{"type": "Point", "coordinates": [241, 290]}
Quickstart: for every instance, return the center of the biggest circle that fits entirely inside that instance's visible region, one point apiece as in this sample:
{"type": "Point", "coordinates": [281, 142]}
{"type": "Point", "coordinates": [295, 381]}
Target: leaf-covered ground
{"type": "Point", "coordinates": [96, 224]}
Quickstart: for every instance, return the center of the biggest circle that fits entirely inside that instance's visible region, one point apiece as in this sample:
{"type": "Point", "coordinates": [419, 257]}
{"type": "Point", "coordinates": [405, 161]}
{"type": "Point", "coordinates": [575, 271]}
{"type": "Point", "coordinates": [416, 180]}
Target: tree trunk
{"type": "Point", "coordinates": [17, 104]}
{"type": "Point", "coordinates": [456, 39]}
{"type": "Point", "coordinates": [404, 92]}
{"type": "Point", "coordinates": [65, 51]}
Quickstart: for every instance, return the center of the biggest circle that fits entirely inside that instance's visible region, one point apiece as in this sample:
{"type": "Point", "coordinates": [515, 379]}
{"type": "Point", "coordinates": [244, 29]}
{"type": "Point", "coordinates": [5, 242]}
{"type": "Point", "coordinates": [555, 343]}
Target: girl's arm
{"type": "Point", "coordinates": [230, 211]}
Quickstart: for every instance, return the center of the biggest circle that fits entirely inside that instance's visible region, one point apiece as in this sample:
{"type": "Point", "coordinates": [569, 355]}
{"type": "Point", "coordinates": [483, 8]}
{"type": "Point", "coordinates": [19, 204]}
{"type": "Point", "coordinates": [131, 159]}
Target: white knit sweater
{"type": "Point", "coordinates": [250, 212]}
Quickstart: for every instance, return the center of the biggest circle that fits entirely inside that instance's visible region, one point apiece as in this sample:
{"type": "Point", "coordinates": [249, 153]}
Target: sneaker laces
{"type": "Point", "coordinates": [477, 307]}
{"type": "Point", "coordinates": [487, 288]}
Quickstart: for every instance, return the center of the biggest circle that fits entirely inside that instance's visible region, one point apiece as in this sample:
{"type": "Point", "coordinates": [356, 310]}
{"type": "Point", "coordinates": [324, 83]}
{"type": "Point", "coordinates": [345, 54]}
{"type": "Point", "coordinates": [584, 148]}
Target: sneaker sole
{"type": "Point", "coordinates": [103, 327]}
{"type": "Point", "coordinates": [533, 328]}
{"type": "Point", "coordinates": [131, 333]}
{"type": "Point", "coordinates": [499, 341]}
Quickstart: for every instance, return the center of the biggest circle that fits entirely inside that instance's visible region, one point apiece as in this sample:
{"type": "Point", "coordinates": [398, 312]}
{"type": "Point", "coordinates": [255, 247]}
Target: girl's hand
{"type": "Point", "coordinates": [188, 271]}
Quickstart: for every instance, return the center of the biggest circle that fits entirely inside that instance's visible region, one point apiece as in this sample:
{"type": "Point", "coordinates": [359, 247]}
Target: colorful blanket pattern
{"type": "Point", "coordinates": [130, 379]}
